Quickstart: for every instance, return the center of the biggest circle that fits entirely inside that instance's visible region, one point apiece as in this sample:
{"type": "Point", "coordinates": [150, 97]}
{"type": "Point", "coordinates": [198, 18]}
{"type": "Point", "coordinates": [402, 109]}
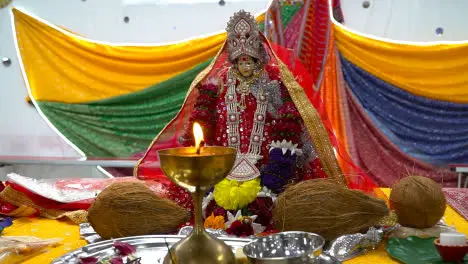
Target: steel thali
{"type": "Point", "coordinates": [151, 249]}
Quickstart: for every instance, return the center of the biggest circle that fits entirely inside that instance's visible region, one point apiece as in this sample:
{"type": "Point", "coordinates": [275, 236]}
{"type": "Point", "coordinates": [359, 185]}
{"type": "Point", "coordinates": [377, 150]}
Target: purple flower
{"type": "Point", "coordinates": [6, 222]}
{"type": "Point", "coordinates": [279, 170]}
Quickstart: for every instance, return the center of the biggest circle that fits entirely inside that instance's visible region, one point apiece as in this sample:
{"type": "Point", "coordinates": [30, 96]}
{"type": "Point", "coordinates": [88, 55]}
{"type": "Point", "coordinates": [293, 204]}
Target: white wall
{"type": "Point", "coordinates": [409, 20]}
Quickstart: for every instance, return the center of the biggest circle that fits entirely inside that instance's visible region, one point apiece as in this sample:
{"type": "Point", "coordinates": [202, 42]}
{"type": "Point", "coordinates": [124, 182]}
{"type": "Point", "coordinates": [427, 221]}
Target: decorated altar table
{"type": "Point", "coordinates": [46, 228]}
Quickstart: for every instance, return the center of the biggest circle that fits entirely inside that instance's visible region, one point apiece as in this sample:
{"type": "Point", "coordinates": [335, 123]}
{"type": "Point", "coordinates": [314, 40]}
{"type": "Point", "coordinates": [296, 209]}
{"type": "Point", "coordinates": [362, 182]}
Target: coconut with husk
{"type": "Point", "coordinates": [132, 209]}
{"type": "Point", "coordinates": [324, 207]}
{"type": "Point", "coordinates": [418, 201]}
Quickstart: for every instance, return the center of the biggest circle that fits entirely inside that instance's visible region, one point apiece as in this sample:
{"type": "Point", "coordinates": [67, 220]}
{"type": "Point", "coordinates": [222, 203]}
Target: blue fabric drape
{"type": "Point", "coordinates": [435, 131]}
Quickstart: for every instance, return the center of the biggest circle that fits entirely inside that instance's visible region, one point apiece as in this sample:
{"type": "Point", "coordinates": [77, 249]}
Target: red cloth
{"type": "Point", "coordinates": [314, 41]}
{"type": "Point", "coordinates": [356, 177]}
{"type": "Point", "coordinates": [458, 199]}
{"type": "Point", "coordinates": [84, 184]}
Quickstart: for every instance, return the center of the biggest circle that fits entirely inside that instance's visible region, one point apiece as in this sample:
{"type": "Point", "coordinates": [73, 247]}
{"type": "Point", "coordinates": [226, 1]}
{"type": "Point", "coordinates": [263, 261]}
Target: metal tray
{"type": "Point", "coordinates": [151, 249]}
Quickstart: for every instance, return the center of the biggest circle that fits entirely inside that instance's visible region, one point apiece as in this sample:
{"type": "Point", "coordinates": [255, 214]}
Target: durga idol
{"type": "Point", "coordinates": [248, 99]}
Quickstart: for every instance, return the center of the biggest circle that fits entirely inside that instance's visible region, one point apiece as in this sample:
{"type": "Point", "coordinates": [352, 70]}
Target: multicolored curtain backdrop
{"type": "Point", "coordinates": [432, 130]}
{"type": "Point", "coordinates": [435, 71]}
{"type": "Point", "coordinates": [399, 116]}
{"type": "Point", "coordinates": [397, 109]}
{"type": "Point", "coordinates": [63, 67]}
{"type": "Point", "coordinates": [109, 100]}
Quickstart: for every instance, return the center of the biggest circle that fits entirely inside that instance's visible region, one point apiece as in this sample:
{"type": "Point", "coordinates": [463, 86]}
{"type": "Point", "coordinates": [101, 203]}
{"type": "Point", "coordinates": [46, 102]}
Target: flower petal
{"type": "Point", "coordinates": [88, 260]}
{"type": "Point", "coordinates": [124, 248]}
{"type": "Point", "coordinates": [116, 260]}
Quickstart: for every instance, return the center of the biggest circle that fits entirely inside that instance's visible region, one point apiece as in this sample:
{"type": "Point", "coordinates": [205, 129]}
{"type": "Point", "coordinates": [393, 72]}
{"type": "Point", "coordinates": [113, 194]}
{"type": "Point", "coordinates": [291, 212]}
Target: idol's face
{"type": "Point", "coordinates": [245, 65]}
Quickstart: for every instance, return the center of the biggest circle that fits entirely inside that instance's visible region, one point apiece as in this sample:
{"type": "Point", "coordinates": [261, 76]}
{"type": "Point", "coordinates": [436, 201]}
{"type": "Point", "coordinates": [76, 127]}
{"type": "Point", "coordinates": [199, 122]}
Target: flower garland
{"type": "Point", "coordinates": [233, 195]}
{"type": "Point", "coordinates": [215, 222]}
{"type": "Point", "coordinates": [204, 113]}
{"type": "Point", "coordinates": [262, 207]}
{"type": "Point", "coordinates": [254, 219]}
{"type": "Point", "coordinates": [243, 226]}
{"type": "Point", "coordinates": [288, 124]}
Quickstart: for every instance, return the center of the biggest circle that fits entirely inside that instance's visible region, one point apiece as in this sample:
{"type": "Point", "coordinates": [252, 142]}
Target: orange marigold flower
{"type": "Point", "coordinates": [215, 222]}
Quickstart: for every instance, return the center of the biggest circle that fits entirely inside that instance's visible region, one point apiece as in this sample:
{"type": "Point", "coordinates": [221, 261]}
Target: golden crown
{"type": "Point", "coordinates": [243, 37]}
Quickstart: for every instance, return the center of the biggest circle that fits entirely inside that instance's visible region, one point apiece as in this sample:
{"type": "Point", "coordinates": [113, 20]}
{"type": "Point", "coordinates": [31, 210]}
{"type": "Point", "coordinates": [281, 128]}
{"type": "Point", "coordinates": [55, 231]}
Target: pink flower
{"type": "Point", "coordinates": [125, 249]}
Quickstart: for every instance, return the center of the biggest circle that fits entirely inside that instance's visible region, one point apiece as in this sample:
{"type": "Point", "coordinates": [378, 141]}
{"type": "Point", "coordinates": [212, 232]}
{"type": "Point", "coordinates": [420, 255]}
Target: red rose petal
{"type": "Point", "coordinates": [89, 260]}
{"type": "Point", "coordinates": [124, 248]}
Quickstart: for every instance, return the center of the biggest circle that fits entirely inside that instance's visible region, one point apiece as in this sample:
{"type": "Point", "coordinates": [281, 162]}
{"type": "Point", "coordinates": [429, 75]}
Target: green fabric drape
{"type": "Point", "coordinates": [287, 13]}
{"type": "Point", "coordinates": [123, 125]}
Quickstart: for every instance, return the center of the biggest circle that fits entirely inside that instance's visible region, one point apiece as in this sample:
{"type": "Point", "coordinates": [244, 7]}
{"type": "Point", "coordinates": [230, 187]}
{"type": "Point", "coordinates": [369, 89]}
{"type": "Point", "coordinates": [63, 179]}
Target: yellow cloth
{"type": "Point", "coordinates": [64, 67]}
{"type": "Point", "coordinates": [380, 255]}
{"type": "Point", "coordinates": [433, 71]}
{"type": "Point", "coordinates": [45, 228]}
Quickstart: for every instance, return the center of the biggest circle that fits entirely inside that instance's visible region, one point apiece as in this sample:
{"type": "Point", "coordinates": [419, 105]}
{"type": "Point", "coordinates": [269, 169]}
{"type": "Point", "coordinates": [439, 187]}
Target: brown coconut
{"type": "Point", "coordinates": [132, 209]}
{"type": "Point", "coordinates": [418, 201]}
{"type": "Point", "coordinates": [326, 208]}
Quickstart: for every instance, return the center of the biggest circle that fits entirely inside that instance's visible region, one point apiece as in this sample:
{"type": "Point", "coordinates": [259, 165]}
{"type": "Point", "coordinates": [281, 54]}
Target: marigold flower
{"type": "Point", "coordinates": [215, 222]}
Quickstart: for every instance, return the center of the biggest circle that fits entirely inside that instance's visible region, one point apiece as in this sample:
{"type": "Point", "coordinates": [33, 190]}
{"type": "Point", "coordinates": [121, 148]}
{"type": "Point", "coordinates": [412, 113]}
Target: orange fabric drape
{"type": "Point", "coordinates": [331, 99]}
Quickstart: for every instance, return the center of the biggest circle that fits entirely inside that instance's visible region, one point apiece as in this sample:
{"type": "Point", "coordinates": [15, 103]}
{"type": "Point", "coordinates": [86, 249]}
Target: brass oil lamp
{"type": "Point", "coordinates": [197, 169]}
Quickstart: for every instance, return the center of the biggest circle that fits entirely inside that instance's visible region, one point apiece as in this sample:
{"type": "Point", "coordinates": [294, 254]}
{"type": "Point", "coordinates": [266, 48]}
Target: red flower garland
{"type": "Point", "coordinates": [288, 125]}
{"type": "Point", "coordinates": [214, 208]}
{"type": "Point", "coordinates": [261, 207]}
{"type": "Point", "coordinates": [204, 114]}
{"type": "Point", "coordinates": [240, 229]}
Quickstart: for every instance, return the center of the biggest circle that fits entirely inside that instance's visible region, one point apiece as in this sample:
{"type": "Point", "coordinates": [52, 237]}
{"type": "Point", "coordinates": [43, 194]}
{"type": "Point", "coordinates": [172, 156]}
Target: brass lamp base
{"type": "Point", "coordinates": [197, 173]}
{"type": "Point", "coordinates": [200, 248]}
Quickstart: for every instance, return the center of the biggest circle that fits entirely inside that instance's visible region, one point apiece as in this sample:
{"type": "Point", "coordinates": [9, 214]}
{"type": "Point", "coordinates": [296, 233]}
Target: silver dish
{"type": "Point", "coordinates": [287, 248]}
{"type": "Point", "coordinates": [151, 249]}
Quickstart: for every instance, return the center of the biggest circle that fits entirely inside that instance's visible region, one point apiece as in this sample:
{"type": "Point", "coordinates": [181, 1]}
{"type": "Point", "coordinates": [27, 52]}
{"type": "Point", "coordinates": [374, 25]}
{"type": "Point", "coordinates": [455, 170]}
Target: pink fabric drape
{"type": "Point", "coordinates": [293, 30]}
{"type": "Point", "coordinates": [383, 161]}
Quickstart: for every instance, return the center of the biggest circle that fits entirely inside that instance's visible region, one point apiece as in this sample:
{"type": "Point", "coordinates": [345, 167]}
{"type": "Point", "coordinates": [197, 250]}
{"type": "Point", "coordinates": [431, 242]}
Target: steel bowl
{"type": "Point", "coordinates": [285, 247]}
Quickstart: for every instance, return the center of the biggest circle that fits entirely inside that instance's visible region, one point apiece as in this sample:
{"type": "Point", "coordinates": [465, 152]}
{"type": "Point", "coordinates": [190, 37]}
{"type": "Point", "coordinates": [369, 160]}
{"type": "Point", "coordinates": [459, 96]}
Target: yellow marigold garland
{"type": "Point", "coordinates": [234, 195]}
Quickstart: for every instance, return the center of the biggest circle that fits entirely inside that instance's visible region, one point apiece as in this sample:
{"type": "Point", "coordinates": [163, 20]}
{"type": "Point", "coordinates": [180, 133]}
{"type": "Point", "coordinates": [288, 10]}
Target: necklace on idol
{"type": "Point", "coordinates": [244, 168]}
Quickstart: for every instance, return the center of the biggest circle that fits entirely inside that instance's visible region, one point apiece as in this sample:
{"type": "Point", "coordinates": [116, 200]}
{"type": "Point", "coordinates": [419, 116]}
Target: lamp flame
{"type": "Point", "coordinates": [198, 135]}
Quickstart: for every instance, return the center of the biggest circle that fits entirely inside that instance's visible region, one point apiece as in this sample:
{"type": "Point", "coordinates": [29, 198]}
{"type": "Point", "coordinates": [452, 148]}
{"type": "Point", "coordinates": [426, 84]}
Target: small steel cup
{"type": "Point", "coordinates": [285, 248]}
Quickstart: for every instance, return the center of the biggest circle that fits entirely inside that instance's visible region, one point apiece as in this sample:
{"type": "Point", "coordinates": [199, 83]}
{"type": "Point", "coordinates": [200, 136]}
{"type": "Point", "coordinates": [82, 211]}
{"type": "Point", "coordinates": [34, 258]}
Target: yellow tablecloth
{"type": "Point", "coordinates": [45, 228]}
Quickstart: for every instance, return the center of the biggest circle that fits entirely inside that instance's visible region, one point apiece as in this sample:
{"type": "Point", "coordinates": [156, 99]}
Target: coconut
{"type": "Point", "coordinates": [131, 209]}
{"type": "Point", "coordinates": [418, 202]}
{"type": "Point", "coordinates": [324, 207]}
